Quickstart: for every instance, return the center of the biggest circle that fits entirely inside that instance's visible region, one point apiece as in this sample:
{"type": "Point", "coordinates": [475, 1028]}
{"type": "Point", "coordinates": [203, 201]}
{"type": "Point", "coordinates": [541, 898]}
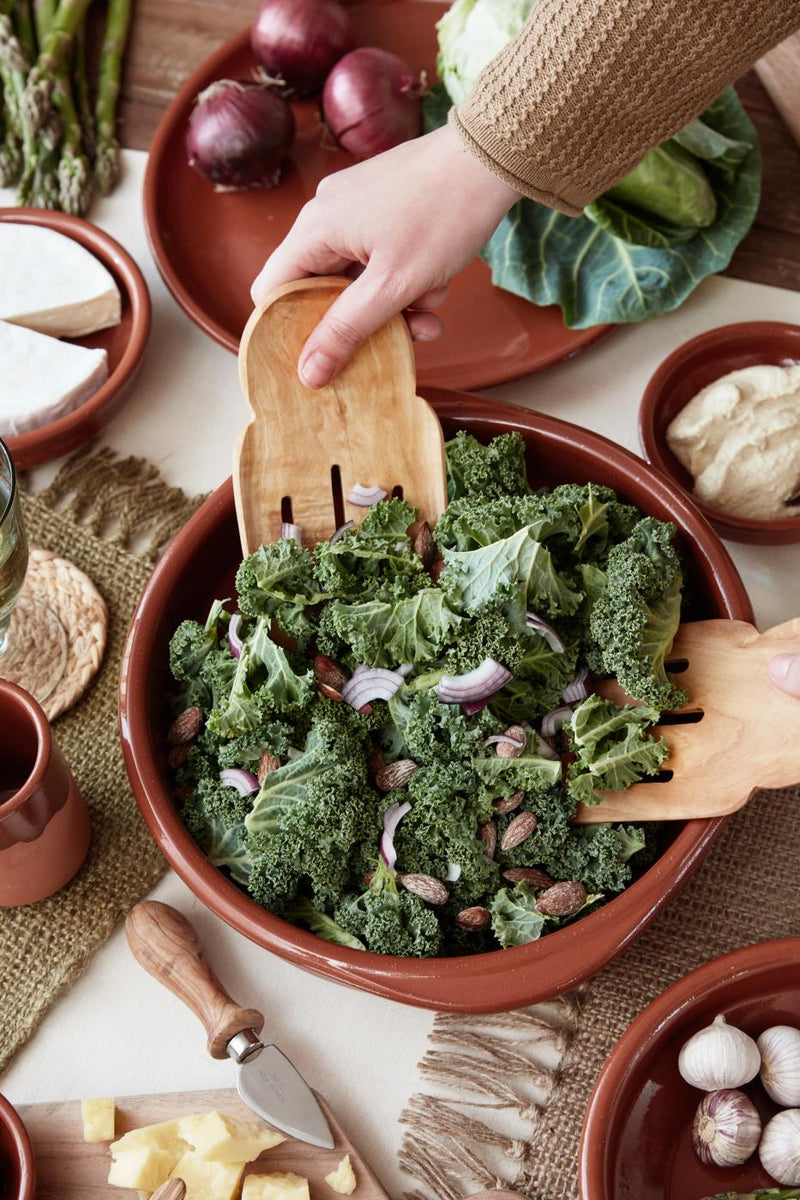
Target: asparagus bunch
{"type": "Point", "coordinates": [54, 145]}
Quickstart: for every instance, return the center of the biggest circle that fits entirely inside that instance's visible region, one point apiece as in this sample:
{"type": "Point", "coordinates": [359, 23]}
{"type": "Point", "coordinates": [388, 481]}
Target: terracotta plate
{"type": "Point", "coordinates": [209, 246]}
{"type": "Point", "coordinates": [125, 343]}
{"type": "Point", "coordinates": [200, 565]}
{"type": "Point", "coordinates": [636, 1141]}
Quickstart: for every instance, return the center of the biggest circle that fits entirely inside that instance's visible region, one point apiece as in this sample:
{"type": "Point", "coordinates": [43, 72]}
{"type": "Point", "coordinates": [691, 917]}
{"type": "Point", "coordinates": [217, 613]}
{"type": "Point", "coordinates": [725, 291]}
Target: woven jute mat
{"type": "Point", "coordinates": [507, 1094]}
{"type": "Point", "coordinates": [110, 517]}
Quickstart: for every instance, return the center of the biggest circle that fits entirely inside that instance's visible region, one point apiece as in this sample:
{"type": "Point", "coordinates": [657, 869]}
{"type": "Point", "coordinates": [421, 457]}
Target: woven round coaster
{"type": "Point", "coordinates": [58, 632]}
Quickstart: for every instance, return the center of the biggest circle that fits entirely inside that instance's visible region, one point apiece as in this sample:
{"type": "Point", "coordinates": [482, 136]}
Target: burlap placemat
{"type": "Point", "coordinates": [533, 1071]}
{"type": "Point", "coordinates": [97, 509]}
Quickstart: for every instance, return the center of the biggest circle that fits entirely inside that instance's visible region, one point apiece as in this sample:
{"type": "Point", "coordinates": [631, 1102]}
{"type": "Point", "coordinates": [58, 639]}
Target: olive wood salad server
{"type": "Point", "coordinates": [304, 450]}
{"type": "Point", "coordinates": [738, 733]}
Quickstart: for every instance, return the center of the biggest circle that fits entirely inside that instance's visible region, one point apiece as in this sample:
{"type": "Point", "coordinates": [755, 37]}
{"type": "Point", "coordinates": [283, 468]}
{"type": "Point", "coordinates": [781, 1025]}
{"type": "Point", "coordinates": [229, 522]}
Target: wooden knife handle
{"type": "Point", "coordinates": [168, 948]}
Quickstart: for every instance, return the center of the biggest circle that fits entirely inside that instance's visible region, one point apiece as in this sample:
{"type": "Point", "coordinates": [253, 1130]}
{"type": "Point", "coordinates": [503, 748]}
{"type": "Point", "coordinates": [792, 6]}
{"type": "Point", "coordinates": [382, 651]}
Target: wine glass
{"type": "Point", "coordinates": [33, 642]}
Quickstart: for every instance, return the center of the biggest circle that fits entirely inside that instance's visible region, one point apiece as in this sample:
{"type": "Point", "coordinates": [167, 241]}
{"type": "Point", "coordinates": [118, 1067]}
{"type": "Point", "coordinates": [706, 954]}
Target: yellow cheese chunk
{"type": "Point", "coordinates": [160, 1136]}
{"type": "Point", "coordinates": [98, 1120]}
{"type": "Point", "coordinates": [218, 1138]}
{"type": "Point", "coordinates": [282, 1185]}
{"type": "Point", "coordinates": [142, 1167]}
{"type": "Point", "coordinates": [208, 1180]}
{"type": "Point", "coordinates": [343, 1179]}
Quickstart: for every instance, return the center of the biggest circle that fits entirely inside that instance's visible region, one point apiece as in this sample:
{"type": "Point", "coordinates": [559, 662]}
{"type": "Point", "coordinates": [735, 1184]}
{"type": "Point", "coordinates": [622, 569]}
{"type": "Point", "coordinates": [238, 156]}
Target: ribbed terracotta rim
{"type": "Point", "coordinates": [489, 982]}
{"type": "Point", "coordinates": [653, 1025]}
{"type": "Point", "coordinates": [657, 452]}
{"type": "Point", "coordinates": [10, 1118]}
{"type": "Point", "coordinates": [12, 694]}
{"type": "Point", "coordinates": [76, 427]}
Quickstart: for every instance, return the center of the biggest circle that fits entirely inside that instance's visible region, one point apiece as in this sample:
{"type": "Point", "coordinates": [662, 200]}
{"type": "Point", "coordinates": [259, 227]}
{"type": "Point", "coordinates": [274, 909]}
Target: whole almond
{"type": "Point", "coordinates": [330, 693]}
{"type": "Point", "coordinates": [530, 875]}
{"type": "Point", "coordinates": [435, 569]}
{"type": "Point", "coordinates": [328, 672]}
{"type": "Point", "coordinates": [186, 727]}
{"type": "Point", "coordinates": [178, 755]}
{"type": "Point", "coordinates": [433, 891]}
{"type": "Point", "coordinates": [488, 835]}
{"type": "Point", "coordinates": [562, 899]}
{"type": "Point", "coordinates": [520, 828]}
{"type": "Point", "coordinates": [512, 748]}
{"type": "Point", "coordinates": [473, 918]}
{"type": "Point", "coordinates": [424, 544]}
{"type": "Point", "coordinates": [266, 765]}
{"type": "Point", "coordinates": [509, 804]}
{"type": "Point", "coordinates": [396, 774]}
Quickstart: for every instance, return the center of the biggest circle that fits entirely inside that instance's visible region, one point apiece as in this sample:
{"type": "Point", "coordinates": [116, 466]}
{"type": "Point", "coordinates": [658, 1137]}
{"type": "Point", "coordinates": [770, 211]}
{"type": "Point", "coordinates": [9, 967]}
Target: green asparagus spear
{"type": "Point", "coordinates": [74, 172]}
{"type": "Point", "coordinates": [107, 155]}
{"type": "Point", "coordinates": [10, 149]}
{"type": "Point", "coordinates": [80, 92]}
{"type": "Point", "coordinates": [11, 52]}
{"type": "Point", "coordinates": [23, 25]}
{"type": "Point", "coordinates": [52, 61]}
{"type": "Point", "coordinates": [13, 81]}
{"type": "Point", "coordinates": [44, 12]}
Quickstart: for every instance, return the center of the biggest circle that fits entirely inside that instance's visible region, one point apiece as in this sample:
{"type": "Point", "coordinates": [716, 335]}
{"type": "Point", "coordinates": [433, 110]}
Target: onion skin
{"type": "Point", "coordinates": [371, 102]}
{"type": "Point", "coordinates": [297, 42]}
{"type": "Point", "coordinates": [239, 134]}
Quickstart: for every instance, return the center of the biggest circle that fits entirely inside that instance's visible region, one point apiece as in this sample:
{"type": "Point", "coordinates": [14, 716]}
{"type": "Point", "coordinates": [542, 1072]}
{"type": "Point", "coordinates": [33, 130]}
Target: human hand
{"type": "Point", "coordinates": [784, 671]}
{"type": "Point", "coordinates": [412, 218]}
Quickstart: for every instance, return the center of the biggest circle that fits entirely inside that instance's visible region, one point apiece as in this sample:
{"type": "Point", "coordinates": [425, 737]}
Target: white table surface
{"type": "Point", "coordinates": [117, 1032]}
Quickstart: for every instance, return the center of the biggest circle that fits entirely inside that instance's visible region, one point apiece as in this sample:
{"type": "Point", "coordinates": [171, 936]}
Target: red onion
{"type": "Point", "coordinates": [371, 102]}
{"type": "Point", "coordinates": [239, 134]}
{"type": "Point", "coordinates": [497, 738]}
{"type": "Point", "coordinates": [391, 819]}
{"type": "Point", "coordinates": [453, 873]}
{"type": "Point", "coordinates": [297, 42]}
{"type": "Point", "coordinates": [552, 721]}
{"type": "Point", "coordinates": [243, 781]}
{"type": "Point", "coordinates": [544, 749]}
{"type": "Point", "coordinates": [546, 630]}
{"type": "Point", "coordinates": [294, 532]}
{"type": "Point", "coordinates": [234, 636]}
{"type": "Point", "coordinates": [343, 529]}
{"type": "Point", "coordinates": [364, 497]}
{"type": "Point", "coordinates": [371, 684]}
{"type": "Point", "coordinates": [576, 689]}
{"type": "Point", "coordinates": [479, 684]}
{"type": "Point", "coordinates": [470, 707]}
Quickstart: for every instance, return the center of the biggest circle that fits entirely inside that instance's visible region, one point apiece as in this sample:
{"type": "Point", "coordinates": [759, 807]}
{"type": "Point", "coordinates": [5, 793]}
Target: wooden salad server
{"type": "Point", "coordinates": [305, 450]}
{"type": "Point", "coordinates": [747, 736]}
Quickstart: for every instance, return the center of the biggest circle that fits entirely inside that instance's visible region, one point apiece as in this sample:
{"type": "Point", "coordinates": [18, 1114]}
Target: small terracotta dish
{"type": "Point", "coordinates": [125, 343]}
{"type": "Point", "coordinates": [636, 1142]}
{"type": "Point", "coordinates": [693, 366]}
{"type": "Point", "coordinates": [17, 1165]}
{"type": "Point", "coordinates": [200, 565]}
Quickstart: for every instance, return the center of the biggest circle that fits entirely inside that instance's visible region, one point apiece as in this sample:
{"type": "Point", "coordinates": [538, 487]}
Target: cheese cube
{"type": "Point", "coordinates": [159, 1137]}
{"type": "Point", "coordinates": [219, 1138]}
{"type": "Point", "coordinates": [343, 1179]}
{"type": "Point", "coordinates": [208, 1180]}
{"type": "Point", "coordinates": [282, 1185]}
{"type": "Point", "coordinates": [144, 1167]}
{"type": "Point", "coordinates": [98, 1120]}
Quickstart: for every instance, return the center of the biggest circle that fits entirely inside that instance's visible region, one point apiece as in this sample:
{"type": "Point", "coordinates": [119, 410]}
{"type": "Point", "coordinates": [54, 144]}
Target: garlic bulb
{"type": "Point", "coordinates": [779, 1150]}
{"type": "Point", "coordinates": [726, 1128]}
{"type": "Point", "coordinates": [720, 1056]}
{"type": "Point", "coordinates": [780, 1064]}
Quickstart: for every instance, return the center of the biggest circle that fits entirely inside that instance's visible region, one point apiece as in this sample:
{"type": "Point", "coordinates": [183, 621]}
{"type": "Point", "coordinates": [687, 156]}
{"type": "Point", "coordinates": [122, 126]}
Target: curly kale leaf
{"type": "Point", "coordinates": [488, 472]}
{"type": "Point", "coordinates": [277, 581]}
{"type": "Point", "coordinates": [612, 748]}
{"type": "Point", "coordinates": [200, 660]}
{"type": "Point", "coordinates": [428, 731]}
{"type": "Point", "coordinates": [374, 560]}
{"type": "Point", "coordinates": [389, 921]}
{"type": "Point", "coordinates": [302, 911]}
{"type": "Point", "coordinates": [599, 856]}
{"type": "Point", "coordinates": [473, 579]}
{"type": "Point", "coordinates": [263, 684]}
{"type": "Point", "coordinates": [384, 634]}
{"type": "Point", "coordinates": [516, 919]}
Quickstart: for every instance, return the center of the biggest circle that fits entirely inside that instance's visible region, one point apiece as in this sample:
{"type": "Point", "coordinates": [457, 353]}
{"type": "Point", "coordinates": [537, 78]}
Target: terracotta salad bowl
{"type": "Point", "coordinates": [17, 1165]}
{"type": "Point", "coordinates": [200, 565]}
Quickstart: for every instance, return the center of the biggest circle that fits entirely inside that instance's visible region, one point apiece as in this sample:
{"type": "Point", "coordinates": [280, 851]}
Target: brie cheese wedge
{"type": "Point", "coordinates": [50, 283]}
{"type": "Point", "coordinates": [42, 379]}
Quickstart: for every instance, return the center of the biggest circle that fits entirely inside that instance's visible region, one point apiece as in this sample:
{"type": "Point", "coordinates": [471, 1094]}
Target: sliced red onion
{"type": "Point", "coordinates": [479, 684]}
{"type": "Point", "coordinates": [496, 738]}
{"type": "Point", "coordinates": [364, 497]}
{"type": "Point", "coordinates": [293, 754]}
{"type": "Point", "coordinates": [288, 530]}
{"type": "Point", "coordinates": [576, 689]}
{"type": "Point", "coordinates": [404, 669]}
{"type": "Point", "coordinates": [334, 538]}
{"type": "Point", "coordinates": [234, 636]}
{"type": "Point", "coordinates": [391, 819]}
{"type": "Point", "coordinates": [546, 630]}
{"type": "Point", "coordinates": [453, 873]}
{"type": "Point", "coordinates": [375, 683]}
{"type": "Point", "coordinates": [552, 721]}
{"type": "Point", "coordinates": [243, 781]}
{"type": "Point", "coordinates": [475, 706]}
{"type": "Point", "coordinates": [544, 749]}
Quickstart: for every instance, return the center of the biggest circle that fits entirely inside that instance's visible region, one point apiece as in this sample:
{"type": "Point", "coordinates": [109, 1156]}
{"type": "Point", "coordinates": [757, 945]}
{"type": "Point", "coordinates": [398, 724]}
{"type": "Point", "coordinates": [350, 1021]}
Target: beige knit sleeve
{"type": "Point", "coordinates": [579, 96]}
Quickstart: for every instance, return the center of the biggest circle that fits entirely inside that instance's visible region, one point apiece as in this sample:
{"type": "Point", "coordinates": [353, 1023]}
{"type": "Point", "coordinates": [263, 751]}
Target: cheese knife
{"type": "Point", "coordinates": [167, 946]}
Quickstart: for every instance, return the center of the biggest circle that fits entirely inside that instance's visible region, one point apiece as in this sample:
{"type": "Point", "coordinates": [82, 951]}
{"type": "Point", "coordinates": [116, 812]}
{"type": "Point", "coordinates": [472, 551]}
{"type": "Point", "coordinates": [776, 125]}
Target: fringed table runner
{"type": "Point", "coordinates": [507, 1093]}
{"type": "Point", "coordinates": [110, 517]}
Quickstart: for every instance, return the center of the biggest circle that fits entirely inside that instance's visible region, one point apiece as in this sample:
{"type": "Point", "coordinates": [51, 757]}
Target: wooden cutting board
{"type": "Point", "coordinates": [70, 1169]}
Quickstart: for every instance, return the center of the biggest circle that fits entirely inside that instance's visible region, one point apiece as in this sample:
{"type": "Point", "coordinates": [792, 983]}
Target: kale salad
{"type": "Point", "coordinates": [384, 739]}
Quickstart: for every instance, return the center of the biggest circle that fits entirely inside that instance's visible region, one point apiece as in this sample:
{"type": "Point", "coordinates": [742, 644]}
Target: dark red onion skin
{"type": "Point", "coordinates": [371, 102]}
{"type": "Point", "coordinates": [239, 134]}
{"type": "Point", "coordinates": [299, 41]}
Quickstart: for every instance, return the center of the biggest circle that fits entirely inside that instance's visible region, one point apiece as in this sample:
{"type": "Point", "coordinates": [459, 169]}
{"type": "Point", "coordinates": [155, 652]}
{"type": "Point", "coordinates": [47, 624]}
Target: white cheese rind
{"type": "Point", "coordinates": [52, 284]}
{"type": "Point", "coordinates": [42, 379]}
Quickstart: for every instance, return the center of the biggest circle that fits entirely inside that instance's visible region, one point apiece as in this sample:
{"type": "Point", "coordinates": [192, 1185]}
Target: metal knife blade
{"type": "Point", "coordinates": [273, 1088]}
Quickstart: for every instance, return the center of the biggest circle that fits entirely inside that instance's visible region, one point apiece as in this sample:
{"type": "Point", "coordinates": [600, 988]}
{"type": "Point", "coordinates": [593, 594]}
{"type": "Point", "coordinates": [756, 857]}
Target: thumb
{"type": "Point", "coordinates": [784, 671]}
{"type": "Point", "coordinates": [362, 308]}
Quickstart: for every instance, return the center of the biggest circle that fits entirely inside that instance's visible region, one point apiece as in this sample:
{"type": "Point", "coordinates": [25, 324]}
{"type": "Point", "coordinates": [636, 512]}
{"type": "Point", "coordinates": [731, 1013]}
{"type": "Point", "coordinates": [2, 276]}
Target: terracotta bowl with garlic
{"type": "Point", "coordinates": [743, 440]}
{"type": "Point", "coordinates": [701, 1096]}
